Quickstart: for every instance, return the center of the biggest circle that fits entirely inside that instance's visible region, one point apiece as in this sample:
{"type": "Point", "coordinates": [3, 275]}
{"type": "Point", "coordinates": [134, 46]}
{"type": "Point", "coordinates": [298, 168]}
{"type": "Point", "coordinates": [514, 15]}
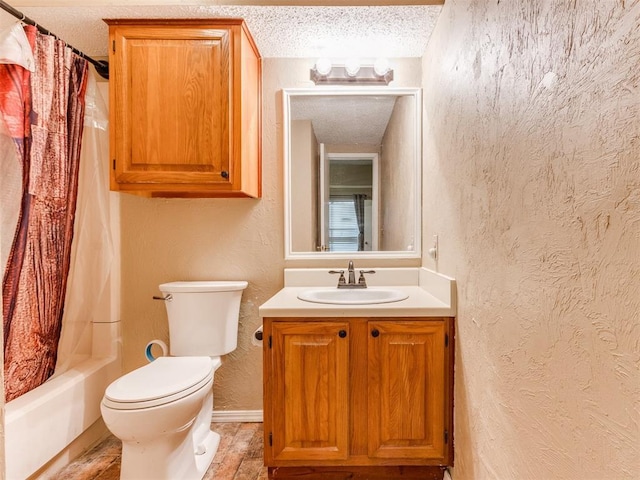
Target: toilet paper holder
{"type": "Point", "coordinates": [257, 337]}
{"type": "Point", "coordinates": [149, 354]}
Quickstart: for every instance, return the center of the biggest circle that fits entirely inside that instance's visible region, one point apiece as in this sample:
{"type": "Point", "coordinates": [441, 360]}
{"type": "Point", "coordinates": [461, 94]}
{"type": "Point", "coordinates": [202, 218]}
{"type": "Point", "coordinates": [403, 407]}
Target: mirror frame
{"type": "Point", "coordinates": [287, 95]}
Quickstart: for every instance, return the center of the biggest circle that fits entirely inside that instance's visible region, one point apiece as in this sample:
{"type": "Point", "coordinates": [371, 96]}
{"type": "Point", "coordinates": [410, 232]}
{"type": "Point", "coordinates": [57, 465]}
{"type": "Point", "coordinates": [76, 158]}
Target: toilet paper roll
{"type": "Point", "coordinates": [256, 338]}
{"type": "Point", "coordinates": [147, 349]}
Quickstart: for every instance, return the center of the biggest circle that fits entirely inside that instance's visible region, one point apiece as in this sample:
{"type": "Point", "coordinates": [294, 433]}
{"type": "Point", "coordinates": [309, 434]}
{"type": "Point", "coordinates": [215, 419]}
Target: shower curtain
{"type": "Point", "coordinates": [92, 251]}
{"type": "Point", "coordinates": [43, 112]}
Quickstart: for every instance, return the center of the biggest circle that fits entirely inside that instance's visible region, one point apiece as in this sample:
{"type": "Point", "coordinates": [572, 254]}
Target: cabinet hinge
{"type": "Point", "coordinates": [446, 436]}
{"type": "Point", "coordinates": [270, 341]}
{"type": "Point", "coordinates": [113, 46]}
{"type": "Point", "coordinates": [114, 163]}
{"type": "Point", "coordinates": [270, 439]}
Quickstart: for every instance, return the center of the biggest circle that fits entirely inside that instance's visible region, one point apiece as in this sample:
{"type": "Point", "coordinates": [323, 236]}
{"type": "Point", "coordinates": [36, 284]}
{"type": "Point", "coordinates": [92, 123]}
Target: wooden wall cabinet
{"type": "Point", "coordinates": [364, 395]}
{"type": "Point", "coordinates": [185, 111]}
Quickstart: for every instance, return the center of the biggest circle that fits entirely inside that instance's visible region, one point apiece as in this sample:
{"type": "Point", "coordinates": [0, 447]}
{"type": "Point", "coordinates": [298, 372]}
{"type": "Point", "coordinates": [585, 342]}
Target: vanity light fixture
{"type": "Point", "coordinates": [351, 73]}
{"type": "Point", "coordinates": [381, 66]}
{"type": "Point", "coordinates": [323, 66]}
{"type": "Point", "coordinates": [352, 67]}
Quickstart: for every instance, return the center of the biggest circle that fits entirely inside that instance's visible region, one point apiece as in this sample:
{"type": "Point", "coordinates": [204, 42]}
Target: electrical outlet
{"type": "Point", "coordinates": [433, 251]}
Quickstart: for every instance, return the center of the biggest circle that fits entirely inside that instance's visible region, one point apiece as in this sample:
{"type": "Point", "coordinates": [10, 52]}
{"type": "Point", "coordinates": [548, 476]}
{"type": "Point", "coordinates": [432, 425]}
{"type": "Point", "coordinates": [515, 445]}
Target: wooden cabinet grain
{"type": "Point", "coordinates": [357, 393]}
{"type": "Point", "coordinates": [185, 100]}
{"type": "Point", "coordinates": [310, 387]}
{"type": "Point", "coordinates": [406, 387]}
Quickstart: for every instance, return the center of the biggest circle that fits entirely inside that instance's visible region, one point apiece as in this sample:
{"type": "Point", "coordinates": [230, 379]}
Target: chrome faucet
{"type": "Point", "coordinates": [342, 282]}
{"type": "Point", "coordinates": [352, 274]}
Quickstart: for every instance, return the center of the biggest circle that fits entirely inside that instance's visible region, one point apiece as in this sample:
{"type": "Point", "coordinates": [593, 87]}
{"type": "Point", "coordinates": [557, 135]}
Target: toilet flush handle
{"type": "Point", "coordinates": [167, 297]}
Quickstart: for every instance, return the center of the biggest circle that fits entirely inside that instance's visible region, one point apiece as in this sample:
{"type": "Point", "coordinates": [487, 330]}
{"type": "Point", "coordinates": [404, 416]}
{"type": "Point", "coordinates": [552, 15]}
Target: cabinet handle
{"type": "Point", "coordinates": [224, 174]}
{"type": "Point", "coordinates": [342, 333]}
{"type": "Point", "coordinates": [375, 333]}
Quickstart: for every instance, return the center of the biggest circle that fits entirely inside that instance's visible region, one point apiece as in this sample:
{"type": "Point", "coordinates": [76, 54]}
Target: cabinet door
{"type": "Point", "coordinates": [310, 375]}
{"type": "Point", "coordinates": [172, 112]}
{"type": "Point", "coordinates": [406, 368]}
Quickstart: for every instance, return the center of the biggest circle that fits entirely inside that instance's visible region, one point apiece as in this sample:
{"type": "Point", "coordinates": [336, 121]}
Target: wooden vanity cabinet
{"type": "Point", "coordinates": [185, 116]}
{"type": "Point", "coordinates": [358, 393]}
{"type": "Point", "coordinates": [310, 390]}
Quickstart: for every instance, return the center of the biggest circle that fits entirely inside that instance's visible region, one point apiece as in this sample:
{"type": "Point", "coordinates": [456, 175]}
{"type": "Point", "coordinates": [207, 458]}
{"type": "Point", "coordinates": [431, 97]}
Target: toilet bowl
{"type": "Point", "coordinates": [162, 414]}
{"type": "Point", "coordinates": [162, 411]}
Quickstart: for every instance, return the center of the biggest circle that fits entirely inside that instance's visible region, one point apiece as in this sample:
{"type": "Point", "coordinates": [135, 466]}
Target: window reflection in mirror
{"type": "Point", "coordinates": [352, 168]}
{"type": "Point", "coordinates": [349, 206]}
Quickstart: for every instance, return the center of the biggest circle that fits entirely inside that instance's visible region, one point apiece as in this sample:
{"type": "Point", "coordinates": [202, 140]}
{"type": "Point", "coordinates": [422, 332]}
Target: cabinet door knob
{"type": "Point", "coordinates": [342, 333]}
{"type": "Point", "coordinates": [375, 333]}
{"type": "Point", "coordinates": [224, 174]}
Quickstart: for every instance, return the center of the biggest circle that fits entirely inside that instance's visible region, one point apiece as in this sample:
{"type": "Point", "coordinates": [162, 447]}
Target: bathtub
{"type": "Point", "coordinates": [43, 422]}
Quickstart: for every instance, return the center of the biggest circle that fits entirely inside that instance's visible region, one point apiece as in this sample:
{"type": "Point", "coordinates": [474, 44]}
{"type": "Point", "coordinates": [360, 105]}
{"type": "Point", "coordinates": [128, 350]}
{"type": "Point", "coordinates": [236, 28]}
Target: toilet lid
{"type": "Point", "coordinates": [203, 287]}
{"type": "Point", "coordinates": [163, 380]}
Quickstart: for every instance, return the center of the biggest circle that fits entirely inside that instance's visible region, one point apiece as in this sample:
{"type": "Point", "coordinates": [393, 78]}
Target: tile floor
{"type": "Point", "coordinates": [239, 457]}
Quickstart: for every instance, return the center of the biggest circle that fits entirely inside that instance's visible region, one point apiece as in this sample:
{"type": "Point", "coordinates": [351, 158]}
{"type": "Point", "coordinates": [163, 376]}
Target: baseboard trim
{"type": "Point", "coordinates": [227, 416]}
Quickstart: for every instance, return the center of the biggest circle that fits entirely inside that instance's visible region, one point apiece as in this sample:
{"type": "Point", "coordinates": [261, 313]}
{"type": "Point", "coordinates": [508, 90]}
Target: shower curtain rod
{"type": "Point", "coordinates": [102, 67]}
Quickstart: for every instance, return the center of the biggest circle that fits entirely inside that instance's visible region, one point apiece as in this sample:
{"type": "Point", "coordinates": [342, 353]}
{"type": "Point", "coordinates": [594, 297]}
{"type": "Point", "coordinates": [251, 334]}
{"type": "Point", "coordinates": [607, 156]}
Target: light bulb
{"type": "Point", "coordinates": [323, 66]}
{"type": "Point", "coordinates": [352, 66]}
{"type": "Point", "coordinates": [381, 66]}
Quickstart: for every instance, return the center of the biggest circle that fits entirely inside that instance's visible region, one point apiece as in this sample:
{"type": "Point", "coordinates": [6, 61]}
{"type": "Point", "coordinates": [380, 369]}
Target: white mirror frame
{"type": "Point", "coordinates": [287, 94]}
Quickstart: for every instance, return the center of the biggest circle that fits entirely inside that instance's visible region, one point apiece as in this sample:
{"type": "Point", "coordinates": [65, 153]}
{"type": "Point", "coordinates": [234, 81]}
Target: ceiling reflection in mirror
{"type": "Point", "coordinates": [352, 172]}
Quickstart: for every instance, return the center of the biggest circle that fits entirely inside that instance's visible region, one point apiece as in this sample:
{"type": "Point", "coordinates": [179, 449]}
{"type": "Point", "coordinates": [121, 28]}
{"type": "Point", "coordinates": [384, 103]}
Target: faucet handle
{"type": "Point", "coordinates": [341, 280]}
{"type": "Point", "coordinates": [361, 280]}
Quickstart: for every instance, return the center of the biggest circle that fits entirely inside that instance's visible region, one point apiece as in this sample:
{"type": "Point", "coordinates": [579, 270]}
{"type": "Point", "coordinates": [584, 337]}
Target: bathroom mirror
{"type": "Point", "coordinates": [352, 172]}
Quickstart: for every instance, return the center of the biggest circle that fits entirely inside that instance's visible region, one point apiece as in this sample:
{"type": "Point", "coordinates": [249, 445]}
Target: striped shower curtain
{"type": "Point", "coordinates": [43, 112]}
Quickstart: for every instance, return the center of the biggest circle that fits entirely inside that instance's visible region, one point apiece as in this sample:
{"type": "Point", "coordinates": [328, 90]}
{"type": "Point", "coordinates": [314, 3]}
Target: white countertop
{"type": "Point", "coordinates": [430, 295]}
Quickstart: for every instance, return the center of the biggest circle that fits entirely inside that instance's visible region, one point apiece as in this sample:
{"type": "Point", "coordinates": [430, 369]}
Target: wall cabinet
{"type": "Point", "coordinates": [357, 393]}
{"type": "Point", "coordinates": [185, 100]}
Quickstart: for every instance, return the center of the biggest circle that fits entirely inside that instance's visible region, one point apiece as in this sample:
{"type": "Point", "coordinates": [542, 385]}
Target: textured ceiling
{"type": "Point", "coordinates": [279, 31]}
{"type": "Point", "coordinates": [353, 120]}
{"type": "Point", "coordinates": [366, 32]}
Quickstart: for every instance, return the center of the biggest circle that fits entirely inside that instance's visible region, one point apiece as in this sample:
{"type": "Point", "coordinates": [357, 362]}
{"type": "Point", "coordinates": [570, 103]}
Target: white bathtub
{"type": "Point", "coordinates": [43, 422]}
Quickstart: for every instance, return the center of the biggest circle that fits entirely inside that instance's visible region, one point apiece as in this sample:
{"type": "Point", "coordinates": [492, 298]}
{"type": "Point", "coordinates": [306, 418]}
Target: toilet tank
{"type": "Point", "coordinates": [203, 316]}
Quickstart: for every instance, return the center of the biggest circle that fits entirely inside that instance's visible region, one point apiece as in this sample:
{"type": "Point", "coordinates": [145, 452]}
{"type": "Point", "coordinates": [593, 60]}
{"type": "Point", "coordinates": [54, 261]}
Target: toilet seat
{"type": "Point", "coordinates": [163, 381]}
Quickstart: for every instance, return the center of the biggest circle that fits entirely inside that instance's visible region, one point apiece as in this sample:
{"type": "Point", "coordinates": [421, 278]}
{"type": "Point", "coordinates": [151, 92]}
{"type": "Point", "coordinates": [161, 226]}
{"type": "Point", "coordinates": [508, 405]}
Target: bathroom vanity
{"type": "Point", "coordinates": [361, 389]}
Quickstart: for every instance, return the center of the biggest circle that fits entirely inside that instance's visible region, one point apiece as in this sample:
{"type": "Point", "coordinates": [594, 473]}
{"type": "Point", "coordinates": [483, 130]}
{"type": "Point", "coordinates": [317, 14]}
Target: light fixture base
{"type": "Point", "coordinates": [338, 76]}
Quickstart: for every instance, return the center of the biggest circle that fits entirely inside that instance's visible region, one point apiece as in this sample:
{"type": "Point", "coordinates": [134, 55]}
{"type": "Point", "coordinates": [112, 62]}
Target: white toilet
{"type": "Point", "coordinates": [162, 411]}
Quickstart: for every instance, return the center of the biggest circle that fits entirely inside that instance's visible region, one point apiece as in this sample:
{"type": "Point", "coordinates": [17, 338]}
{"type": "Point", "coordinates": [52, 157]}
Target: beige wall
{"type": "Point", "coordinates": [198, 239]}
{"type": "Point", "coordinates": [397, 179]}
{"type": "Point", "coordinates": [188, 239]}
{"type": "Point", "coordinates": [174, 239]}
{"type": "Point", "coordinates": [304, 186]}
{"type": "Point", "coordinates": [532, 181]}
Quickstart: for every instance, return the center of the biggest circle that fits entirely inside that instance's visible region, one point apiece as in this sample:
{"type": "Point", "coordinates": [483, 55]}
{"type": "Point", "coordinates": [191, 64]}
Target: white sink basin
{"type": "Point", "coordinates": [346, 296]}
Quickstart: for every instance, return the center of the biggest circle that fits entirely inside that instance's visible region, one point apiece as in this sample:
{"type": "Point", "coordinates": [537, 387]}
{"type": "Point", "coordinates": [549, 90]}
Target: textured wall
{"type": "Point", "coordinates": [532, 181]}
{"type": "Point", "coordinates": [176, 239]}
{"type": "Point", "coordinates": [304, 186]}
{"type": "Point", "coordinates": [397, 179]}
